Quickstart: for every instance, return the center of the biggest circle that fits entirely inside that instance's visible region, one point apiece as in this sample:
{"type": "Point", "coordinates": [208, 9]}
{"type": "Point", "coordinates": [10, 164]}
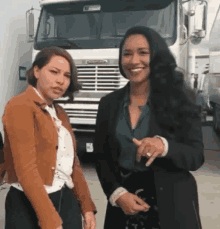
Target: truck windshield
{"type": "Point", "coordinates": [97, 30]}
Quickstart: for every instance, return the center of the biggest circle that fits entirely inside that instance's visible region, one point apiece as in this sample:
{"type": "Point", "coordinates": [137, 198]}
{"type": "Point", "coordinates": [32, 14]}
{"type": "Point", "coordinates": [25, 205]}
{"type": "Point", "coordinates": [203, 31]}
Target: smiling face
{"type": "Point", "coordinates": [53, 79]}
{"type": "Point", "coordinates": [136, 59]}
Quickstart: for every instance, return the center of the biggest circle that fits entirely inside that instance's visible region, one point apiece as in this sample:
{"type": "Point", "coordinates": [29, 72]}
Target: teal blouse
{"type": "Point", "coordinates": [125, 134]}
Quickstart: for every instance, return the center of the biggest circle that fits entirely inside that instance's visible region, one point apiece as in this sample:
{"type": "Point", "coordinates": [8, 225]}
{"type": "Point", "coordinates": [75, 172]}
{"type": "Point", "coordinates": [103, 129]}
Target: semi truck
{"type": "Point", "coordinates": [91, 31]}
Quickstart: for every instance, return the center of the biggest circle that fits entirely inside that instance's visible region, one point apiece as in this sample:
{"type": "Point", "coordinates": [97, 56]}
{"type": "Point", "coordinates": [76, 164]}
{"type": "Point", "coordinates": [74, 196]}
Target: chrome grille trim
{"type": "Point", "coordinates": [85, 112]}
{"type": "Point", "coordinates": [99, 78]}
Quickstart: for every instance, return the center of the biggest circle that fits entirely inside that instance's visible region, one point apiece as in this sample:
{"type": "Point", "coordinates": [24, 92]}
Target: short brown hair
{"type": "Point", "coordinates": [43, 58]}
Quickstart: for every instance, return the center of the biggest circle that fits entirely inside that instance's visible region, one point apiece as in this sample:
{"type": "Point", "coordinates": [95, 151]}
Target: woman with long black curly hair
{"type": "Point", "coordinates": [148, 138]}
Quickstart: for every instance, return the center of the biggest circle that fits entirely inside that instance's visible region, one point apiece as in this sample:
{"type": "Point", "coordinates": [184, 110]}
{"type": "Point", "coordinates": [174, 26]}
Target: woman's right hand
{"type": "Point", "coordinates": [131, 204]}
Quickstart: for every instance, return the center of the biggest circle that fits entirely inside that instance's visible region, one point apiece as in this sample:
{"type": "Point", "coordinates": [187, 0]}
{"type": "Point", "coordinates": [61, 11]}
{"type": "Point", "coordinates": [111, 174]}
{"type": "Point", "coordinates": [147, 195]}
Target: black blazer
{"type": "Point", "coordinates": [175, 186]}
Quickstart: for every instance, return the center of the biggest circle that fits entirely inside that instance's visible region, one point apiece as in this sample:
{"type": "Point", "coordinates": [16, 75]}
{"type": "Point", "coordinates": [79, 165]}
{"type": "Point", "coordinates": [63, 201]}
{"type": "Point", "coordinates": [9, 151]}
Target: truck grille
{"type": "Point", "coordinates": [100, 78]}
{"type": "Point", "coordinates": [81, 113]}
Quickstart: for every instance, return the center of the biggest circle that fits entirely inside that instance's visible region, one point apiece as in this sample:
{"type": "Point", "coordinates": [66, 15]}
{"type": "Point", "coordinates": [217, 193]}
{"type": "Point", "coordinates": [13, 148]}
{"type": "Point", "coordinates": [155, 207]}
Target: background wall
{"type": "Point", "coordinates": [14, 49]}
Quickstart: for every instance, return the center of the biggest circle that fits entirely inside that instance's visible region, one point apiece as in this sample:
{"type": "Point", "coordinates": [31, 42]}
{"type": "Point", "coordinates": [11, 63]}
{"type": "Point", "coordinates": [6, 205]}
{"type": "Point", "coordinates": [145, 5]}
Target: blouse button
{"type": "Point", "coordinates": [161, 189]}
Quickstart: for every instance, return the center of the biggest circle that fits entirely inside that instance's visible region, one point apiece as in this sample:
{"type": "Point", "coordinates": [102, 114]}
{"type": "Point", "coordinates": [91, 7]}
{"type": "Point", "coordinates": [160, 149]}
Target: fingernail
{"type": "Point", "coordinates": [147, 209]}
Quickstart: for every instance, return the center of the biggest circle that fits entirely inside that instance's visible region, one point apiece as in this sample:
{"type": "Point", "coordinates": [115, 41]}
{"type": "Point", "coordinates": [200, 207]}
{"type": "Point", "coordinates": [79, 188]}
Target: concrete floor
{"type": "Point", "coordinates": [208, 179]}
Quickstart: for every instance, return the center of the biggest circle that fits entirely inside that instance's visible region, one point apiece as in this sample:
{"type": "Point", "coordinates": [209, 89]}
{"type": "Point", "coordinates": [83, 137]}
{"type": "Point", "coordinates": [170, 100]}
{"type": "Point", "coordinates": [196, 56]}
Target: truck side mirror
{"type": "Point", "coordinates": [30, 24]}
{"type": "Point", "coordinates": [200, 20]}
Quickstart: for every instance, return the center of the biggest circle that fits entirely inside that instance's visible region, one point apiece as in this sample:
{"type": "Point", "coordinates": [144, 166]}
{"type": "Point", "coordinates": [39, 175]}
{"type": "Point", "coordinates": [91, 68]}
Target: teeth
{"type": "Point", "coordinates": [136, 69]}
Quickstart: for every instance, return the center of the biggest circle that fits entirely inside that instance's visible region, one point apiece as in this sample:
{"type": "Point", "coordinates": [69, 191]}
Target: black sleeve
{"type": "Point", "coordinates": [188, 155]}
{"type": "Point", "coordinates": [103, 151]}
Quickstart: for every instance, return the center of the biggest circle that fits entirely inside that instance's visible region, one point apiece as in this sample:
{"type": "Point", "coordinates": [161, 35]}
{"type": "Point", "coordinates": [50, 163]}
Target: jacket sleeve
{"type": "Point", "coordinates": [81, 189]}
{"type": "Point", "coordinates": [18, 121]}
{"type": "Point", "coordinates": [190, 154]}
{"type": "Point", "coordinates": [103, 151]}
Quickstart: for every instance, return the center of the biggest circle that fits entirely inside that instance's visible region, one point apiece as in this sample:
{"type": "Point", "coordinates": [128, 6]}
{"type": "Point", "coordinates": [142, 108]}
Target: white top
{"type": "Point", "coordinates": [65, 156]}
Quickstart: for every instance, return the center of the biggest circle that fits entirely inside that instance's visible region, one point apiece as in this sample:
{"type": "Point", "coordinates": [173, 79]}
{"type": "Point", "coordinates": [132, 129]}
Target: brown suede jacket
{"type": "Point", "coordinates": [30, 148]}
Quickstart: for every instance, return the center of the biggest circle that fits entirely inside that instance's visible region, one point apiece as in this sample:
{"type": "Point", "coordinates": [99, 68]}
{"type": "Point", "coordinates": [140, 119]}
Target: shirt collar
{"type": "Point", "coordinates": [50, 110]}
{"type": "Point", "coordinates": [38, 93]}
{"type": "Point", "coordinates": [45, 105]}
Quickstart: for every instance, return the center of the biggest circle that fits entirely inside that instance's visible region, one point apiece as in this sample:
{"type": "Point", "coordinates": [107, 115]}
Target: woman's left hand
{"type": "Point", "coordinates": [89, 220]}
{"type": "Point", "coordinates": [150, 148]}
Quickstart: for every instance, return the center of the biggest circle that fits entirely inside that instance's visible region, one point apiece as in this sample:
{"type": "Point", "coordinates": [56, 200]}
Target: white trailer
{"type": "Point", "coordinates": [91, 32]}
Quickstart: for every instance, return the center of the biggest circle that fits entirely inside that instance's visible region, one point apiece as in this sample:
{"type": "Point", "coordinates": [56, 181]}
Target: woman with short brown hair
{"type": "Point", "coordinates": [48, 189]}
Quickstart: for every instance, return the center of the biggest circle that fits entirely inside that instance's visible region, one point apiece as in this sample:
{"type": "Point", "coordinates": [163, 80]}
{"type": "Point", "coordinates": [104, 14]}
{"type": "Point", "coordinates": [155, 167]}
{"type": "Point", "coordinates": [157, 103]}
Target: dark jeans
{"type": "Point", "coordinates": [19, 213]}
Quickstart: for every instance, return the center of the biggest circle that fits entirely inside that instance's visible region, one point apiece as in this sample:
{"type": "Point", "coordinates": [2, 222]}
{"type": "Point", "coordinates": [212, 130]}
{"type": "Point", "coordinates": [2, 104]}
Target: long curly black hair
{"type": "Point", "coordinates": [172, 102]}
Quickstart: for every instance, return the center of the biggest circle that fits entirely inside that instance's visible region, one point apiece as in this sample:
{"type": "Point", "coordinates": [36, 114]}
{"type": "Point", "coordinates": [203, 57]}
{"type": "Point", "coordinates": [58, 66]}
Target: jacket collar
{"type": "Point", "coordinates": [32, 95]}
{"type": "Point", "coordinates": [38, 100]}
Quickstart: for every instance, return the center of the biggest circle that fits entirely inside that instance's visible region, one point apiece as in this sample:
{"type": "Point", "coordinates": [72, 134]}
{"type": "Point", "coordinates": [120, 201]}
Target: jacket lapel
{"type": "Point", "coordinates": [114, 113]}
{"type": "Point", "coordinates": [115, 105]}
{"type": "Point", "coordinates": [32, 95]}
{"type": "Point", "coordinates": [154, 128]}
